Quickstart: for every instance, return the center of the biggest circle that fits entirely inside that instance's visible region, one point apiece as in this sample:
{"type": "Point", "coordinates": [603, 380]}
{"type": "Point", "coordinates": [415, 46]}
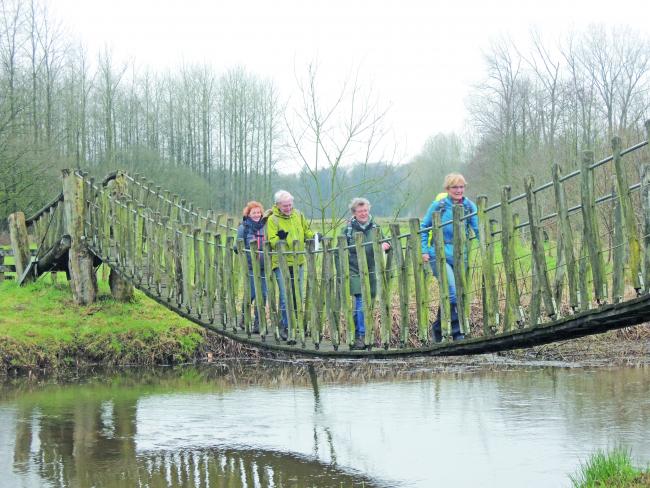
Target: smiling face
{"type": "Point", "coordinates": [255, 214]}
{"type": "Point", "coordinates": [456, 191]}
{"type": "Point", "coordinates": [362, 213]}
{"type": "Point", "coordinates": [285, 206]}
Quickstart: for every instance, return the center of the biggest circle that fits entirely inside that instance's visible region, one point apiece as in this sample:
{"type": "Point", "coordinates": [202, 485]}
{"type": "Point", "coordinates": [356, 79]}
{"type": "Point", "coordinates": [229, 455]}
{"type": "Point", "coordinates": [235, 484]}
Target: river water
{"type": "Point", "coordinates": [340, 424]}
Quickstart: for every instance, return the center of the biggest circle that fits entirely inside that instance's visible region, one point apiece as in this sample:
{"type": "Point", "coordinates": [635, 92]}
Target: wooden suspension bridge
{"type": "Point", "coordinates": [536, 273]}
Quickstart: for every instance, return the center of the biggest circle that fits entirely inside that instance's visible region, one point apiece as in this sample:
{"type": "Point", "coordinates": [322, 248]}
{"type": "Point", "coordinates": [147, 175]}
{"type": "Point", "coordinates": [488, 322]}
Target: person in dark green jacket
{"type": "Point", "coordinates": [361, 221]}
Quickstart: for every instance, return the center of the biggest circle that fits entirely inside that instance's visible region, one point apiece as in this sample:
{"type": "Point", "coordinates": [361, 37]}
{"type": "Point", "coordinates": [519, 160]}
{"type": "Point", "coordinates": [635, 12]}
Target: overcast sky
{"type": "Point", "coordinates": [421, 56]}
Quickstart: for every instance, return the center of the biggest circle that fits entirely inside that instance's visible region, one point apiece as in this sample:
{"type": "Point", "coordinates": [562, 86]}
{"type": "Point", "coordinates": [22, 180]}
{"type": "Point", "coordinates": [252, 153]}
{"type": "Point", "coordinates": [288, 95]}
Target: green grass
{"type": "Point", "coordinates": [41, 327]}
{"type": "Point", "coordinates": [613, 470]}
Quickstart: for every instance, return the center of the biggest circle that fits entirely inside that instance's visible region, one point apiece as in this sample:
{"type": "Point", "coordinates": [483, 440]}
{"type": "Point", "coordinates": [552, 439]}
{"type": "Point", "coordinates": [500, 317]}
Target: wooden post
{"type": "Point", "coordinates": [197, 291]}
{"type": "Point", "coordinates": [312, 294]}
{"type": "Point", "coordinates": [257, 283]}
{"type": "Point", "coordinates": [629, 222]}
{"type": "Point", "coordinates": [443, 280]}
{"type": "Point", "coordinates": [490, 301]}
{"type": "Point", "coordinates": [539, 257]}
{"type": "Point", "coordinates": [83, 281]}
{"type": "Point", "coordinates": [229, 279]}
{"type": "Point", "coordinates": [509, 255]}
{"type": "Point", "coordinates": [344, 287]}
{"type": "Point", "coordinates": [645, 205]}
{"type": "Point", "coordinates": [618, 245]}
{"type": "Point", "coordinates": [246, 300]}
{"type": "Point", "coordinates": [591, 232]}
{"type": "Point", "coordinates": [401, 265]}
{"type": "Point", "coordinates": [185, 266]}
{"type": "Point", "coordinates": [19, 243]}
{"type": "Point", "coordinates": [459, 239]}
{"type": "Point", "coordinates": [288, 287]}
{"type": "Point", "coordinates": [274, 313]}
{"type": "Point", "coordinates": [565, 230]}
{"type": "Point", "coordinates": [333, 316]}
{"type": "Point", "coordinates": [208, 272]}
{"type": "Point", "coordinates": [365, 289]}
{"type": "Point", "coordinates": [121, 289]}
{"type": "Point", "coordinates": [220, 288]}
{"type": "Point", "coordinates": [422, 308]}
{"type": "Point", "coordinates": [383, 290]}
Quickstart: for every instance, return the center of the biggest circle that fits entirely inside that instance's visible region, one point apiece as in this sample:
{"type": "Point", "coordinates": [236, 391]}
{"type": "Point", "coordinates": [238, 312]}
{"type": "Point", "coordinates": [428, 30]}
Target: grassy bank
{"type": "Point", "coordinates": [613, 469]}
{"type": "Point", "coordinates": [41, 328]}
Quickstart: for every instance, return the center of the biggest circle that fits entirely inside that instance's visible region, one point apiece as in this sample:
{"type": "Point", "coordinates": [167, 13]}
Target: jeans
{"type": "Point", "coordinates": [451, 280]}
{"type": "Point", "coordinates": [283, 292]}
{"type": "Point", "coordinates": [357, 314]}
{"type": "Point", "coordinates": [252, 285]}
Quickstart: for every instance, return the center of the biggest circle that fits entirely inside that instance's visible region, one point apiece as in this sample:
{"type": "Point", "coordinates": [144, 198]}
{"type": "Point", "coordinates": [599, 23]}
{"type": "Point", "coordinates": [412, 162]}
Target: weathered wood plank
{"type": "Point", "coordinates": [400, 264]}
{"type": "Point", "coordinates": [443, 280]}
{"type": "Point", "coordinates": [627, 214]}
{"type": "Point", "coordinates": [591, 231]}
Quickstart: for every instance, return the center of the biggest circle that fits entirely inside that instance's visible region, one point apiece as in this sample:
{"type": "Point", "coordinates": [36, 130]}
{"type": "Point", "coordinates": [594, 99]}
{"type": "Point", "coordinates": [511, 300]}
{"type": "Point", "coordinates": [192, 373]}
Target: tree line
{"type": "Point", "coordinates": [218, 137]}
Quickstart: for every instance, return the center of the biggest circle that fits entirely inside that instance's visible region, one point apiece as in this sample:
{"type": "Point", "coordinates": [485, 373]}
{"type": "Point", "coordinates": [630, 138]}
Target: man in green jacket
{"type": "Point", "coordinates": [289, 225]}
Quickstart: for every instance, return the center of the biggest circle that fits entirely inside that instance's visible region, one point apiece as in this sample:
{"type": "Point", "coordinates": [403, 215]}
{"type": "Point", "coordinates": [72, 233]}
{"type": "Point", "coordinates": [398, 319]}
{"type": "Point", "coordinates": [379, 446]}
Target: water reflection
{"type": "Point", "coordinates": [315, 424]}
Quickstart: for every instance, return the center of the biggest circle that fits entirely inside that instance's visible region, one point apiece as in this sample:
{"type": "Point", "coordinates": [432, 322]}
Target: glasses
{"type": "Point", "coordinates": [457, 187]}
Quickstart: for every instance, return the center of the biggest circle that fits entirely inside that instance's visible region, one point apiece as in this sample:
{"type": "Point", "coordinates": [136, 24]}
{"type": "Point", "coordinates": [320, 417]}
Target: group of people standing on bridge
{"type": "Point", "coordinates": [283, 222]}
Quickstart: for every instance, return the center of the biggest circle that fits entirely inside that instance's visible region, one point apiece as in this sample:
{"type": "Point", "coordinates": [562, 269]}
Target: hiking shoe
{"type": "Point", "coordinates": [283, 334]}
{"type": "Point", "coordinates": [358, 344]}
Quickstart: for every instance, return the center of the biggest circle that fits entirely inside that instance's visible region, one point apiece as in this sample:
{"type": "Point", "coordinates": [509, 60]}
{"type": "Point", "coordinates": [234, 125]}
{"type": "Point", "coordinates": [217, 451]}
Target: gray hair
{"type": "Point", "coordinates": [282, 195]}
{"type": "Point", "coordinates": [358, 202]}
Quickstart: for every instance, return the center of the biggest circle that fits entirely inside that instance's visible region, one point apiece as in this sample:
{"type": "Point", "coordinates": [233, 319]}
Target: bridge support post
{"type": "Point", "coordinates": [19, 242]}
{"type": "Point", "coordinates": [121, 290]}
{"type": "Point", "coordinates": [83, 281]}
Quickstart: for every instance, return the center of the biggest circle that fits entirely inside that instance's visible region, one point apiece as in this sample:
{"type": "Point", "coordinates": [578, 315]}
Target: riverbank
{"type": "Point", "coordinates": [42, 330]}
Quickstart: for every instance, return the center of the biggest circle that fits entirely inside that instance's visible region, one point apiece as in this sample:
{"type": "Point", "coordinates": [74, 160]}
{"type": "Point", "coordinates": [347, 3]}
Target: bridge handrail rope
{"type": "Point", "coordinates": [515, 273]}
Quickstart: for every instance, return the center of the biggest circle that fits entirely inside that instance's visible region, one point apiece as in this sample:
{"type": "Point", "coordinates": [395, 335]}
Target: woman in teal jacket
{"type": "Point", "coordinates": [455, 187]}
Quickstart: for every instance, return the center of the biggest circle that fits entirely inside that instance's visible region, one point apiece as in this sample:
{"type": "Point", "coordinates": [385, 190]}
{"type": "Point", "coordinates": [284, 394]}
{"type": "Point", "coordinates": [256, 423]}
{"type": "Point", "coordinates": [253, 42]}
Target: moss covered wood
{"type": "Point", "coordinates": [274, 313]}
{"type": "Point", "coordinates": [19, 242]}
{"type": "Point", "coordinates": [627, 214]}
{"type": "Point", "coordinates": [537, 243]}
{"type": "Point", "coordinates": [618, 251]}
{"type": "Point", "coordinates": [281, 250]}
{"type": "Point", "coordinates": [344, 286]}
{"type": "Point", "coordinates": [566, 243]}
{"type": "Point", "coordinates": [400, 265]}
{"type": "Point", "coordinates": [366, 296]}
{"type": "Point", "coordinates": [459, 256]}
{"type": "Point", "coordinates": [383, 289]}
{"type": "Point", "coordinates": [591, 230]}
{"type": "Point", "coordinates": [260, 300]}
{"type": "Point", "coordinates": [311, 294]}
{"type": "Point", "coordinates": [80, 261]}
{"type": "Point", "coordinates": [229, 278]}
{"type": "Point", "coordinates": [645, 206]}
{"type": "Point", "coordinates": [220, 281]}
{"type": "Point", "coordinates": [509, 255]}
{"type": "Point", "coordinates": [488, 284]}
{"type": "Point", "coordinates": [331, 302]}
{"type": "Point", "coordinates": [417, 264]}
{"type": "Point", "coordinates": [443, 280]}
{"type": "Point", "coordinates": [246, 299]}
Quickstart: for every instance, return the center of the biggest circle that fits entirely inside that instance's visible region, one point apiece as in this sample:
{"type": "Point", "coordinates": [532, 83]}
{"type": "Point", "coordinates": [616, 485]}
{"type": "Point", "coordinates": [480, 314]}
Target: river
{"type": "Point", "coordinates": [342, 424]}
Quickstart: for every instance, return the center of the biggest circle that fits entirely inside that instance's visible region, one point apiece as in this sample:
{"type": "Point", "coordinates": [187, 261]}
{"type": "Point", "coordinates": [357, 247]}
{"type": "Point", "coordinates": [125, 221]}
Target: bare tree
{"type": "Point", "coordinates": [330, 133]}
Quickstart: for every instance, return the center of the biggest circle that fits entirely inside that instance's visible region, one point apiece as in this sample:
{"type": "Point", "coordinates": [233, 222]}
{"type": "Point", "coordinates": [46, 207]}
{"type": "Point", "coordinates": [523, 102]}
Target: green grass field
{"type": "Point", "coordinates": [41, 327]}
